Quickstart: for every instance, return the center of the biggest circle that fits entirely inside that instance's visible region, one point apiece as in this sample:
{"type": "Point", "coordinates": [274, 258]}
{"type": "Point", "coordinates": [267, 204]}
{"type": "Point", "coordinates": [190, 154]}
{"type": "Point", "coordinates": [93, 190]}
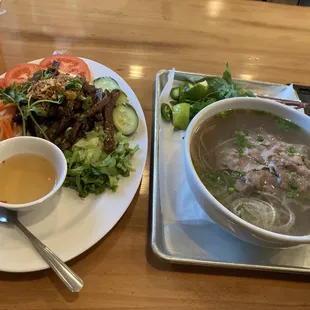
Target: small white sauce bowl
{"type": "Point", "coordinates": [37, 146]}
{"type": "Point", "coordinates": [216, 211]}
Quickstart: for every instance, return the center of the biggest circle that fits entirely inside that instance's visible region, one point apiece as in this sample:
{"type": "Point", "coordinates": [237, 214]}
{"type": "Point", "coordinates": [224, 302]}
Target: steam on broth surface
{"type": "Point", "coordinates": [25, 178]}
{"type": "Point", "coordinates": [258, 166]}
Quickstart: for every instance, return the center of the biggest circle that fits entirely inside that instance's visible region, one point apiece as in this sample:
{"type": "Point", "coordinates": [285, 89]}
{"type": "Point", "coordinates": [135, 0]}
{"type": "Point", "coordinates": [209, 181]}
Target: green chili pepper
{"type": "Point", "coordinates": [166, 112]}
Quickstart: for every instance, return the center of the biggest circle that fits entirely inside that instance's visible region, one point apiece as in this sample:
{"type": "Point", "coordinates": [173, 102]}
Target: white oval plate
{"type": "Point", "coordinates": [69, 225]}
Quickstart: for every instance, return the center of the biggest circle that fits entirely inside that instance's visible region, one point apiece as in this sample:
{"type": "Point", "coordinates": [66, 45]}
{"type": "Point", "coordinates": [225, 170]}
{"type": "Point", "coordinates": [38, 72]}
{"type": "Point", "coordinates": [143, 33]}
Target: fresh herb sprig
{"type": "Point", "coordinates": [34, 107]}
{"type": "Point", "coordinates": [15, 94]}
{"type": "Point", "coordinates": [224, 87]}
{"type": "Point", "coordinates": [199, 94]}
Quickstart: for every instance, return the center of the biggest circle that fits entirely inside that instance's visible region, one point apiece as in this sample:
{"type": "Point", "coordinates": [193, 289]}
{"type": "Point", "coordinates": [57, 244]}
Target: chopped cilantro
{"type": "Point", "coordinates": [294, 189]}
{"type": "Point", "coordinates": [292, 194]}
{"type": "Point", "coordinates": [291, 151]}
{"type": "Point", "coordinates": [222, 178]}
{"type": "Point", "coordinates": [260, 138]}
{"type": "Point", "coordinates": [293, 186]}
{"type": "Point", "coordinates": [225, 114]}
{"type": "Point", "coordinates": [286, 124]}
{"type": "Point", "coordinates": [241, 140]}
{"type": "Point", "coordinates": [212, 176]}
{"type": "Point", "coordinates": [237, 174]}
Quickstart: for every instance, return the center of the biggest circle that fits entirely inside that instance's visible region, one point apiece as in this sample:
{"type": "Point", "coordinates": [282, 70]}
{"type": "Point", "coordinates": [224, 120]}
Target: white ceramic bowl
{"type": "Point", "coordinates": [216, 211]}
{"type": "Point", "coordinates": [38, 146]}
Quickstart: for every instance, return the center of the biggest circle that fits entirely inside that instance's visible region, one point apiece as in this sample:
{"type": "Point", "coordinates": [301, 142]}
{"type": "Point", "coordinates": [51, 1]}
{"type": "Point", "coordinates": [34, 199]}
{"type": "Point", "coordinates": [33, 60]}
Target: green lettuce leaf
{"type": "Point", "coordinates": [91, 170]}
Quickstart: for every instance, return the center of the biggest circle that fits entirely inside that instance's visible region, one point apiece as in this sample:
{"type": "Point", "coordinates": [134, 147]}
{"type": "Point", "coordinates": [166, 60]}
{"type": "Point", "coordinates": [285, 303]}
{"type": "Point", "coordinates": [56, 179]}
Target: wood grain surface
{"type": "Point", "coordinates": [136, 38]}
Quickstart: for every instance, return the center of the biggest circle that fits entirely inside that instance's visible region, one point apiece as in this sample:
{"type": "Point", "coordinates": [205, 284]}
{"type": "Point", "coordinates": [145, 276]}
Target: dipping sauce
{"type": "Point", "coordinates": [25, 178]}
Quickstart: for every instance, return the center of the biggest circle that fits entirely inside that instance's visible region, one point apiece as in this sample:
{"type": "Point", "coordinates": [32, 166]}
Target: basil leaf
{"type": "Point", "coordinates": [227, 75]}
{"type": "Point", "coordinates": [249, 93]}
{"type": "Point", "coordinates": [199, 105]}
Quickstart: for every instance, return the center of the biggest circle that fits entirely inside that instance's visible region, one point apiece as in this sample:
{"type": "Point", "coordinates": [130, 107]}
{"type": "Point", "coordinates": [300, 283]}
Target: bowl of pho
{"type": "Point", "coordinates": [248, 164]}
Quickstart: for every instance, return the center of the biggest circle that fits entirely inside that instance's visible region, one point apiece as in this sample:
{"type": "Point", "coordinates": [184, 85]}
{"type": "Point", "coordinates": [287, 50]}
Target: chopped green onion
{"type": "Point", "coordinates": [212, 176]}
{"type": "Point", "coordinates": [292, 194]}
{"type": "Point", "coordinates": [231, 190]}
{"type": "Point", "coordinates": [292, 151]}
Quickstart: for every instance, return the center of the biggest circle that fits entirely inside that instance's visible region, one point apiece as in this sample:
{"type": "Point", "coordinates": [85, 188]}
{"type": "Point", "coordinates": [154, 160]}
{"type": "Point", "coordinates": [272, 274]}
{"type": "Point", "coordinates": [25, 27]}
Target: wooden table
{"type": "Point", "coordinates": [137, 38]}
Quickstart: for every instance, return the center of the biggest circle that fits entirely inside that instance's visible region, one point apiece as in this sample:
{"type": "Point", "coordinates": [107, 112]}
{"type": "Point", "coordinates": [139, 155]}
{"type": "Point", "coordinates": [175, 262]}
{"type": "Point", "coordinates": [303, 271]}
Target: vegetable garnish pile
{"type": "Point", "coordinates": [190, 98]}
{"type": "Point", "coordinates": [91, 169]}
{"type": "Point", "coordinates": [89, 122]}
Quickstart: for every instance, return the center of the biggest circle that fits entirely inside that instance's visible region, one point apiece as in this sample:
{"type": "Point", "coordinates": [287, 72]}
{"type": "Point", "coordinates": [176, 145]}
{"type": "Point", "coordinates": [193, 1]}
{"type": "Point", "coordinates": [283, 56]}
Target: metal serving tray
{"type": "Point", "coordinates": [181, 231]}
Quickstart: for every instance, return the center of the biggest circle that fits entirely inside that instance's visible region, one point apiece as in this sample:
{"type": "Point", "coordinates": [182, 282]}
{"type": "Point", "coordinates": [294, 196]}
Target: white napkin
{"type": "Point", "coordinates": [165, 94]}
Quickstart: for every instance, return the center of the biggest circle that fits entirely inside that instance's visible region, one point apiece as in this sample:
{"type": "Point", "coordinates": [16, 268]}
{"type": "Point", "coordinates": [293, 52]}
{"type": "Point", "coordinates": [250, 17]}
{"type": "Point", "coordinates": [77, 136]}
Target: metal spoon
{"type": "Point", "coordinates": [68, 277]}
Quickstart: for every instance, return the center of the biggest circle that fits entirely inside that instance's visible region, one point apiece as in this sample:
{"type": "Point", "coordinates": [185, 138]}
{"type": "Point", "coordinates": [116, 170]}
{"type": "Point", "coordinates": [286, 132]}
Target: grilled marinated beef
{"type": "Point", "coordinates": [109, 145]}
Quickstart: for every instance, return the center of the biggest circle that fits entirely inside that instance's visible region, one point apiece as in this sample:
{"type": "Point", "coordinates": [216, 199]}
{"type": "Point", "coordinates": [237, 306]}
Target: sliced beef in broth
{"type": "Point", "coordinates": [246, 155]}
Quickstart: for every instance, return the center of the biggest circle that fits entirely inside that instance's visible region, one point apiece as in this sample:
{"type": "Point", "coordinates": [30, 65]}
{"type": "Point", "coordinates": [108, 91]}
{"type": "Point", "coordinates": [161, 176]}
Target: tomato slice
{"type": "Point", "coordinates": [20, 73]}
{"type": "Point", "coordinates": [68, 64]}
{"type": "Point", "coordinates": [2, 83]}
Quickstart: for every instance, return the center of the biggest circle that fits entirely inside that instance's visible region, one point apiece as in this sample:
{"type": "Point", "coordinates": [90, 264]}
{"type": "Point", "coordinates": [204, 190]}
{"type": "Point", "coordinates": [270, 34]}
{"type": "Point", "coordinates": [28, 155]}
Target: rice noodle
{"type": "Point", "coordinates": [202, 148]}
{"type": "Point", "coordinates": [259, 212]}
{"type": "Point", "coordinates": [223, 143]}
{"type": "Point", "coordinates": [282, 208]}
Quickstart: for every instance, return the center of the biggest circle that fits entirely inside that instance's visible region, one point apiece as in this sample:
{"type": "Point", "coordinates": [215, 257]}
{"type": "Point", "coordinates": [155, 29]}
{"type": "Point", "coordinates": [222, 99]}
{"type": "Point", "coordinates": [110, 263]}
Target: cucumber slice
{"type": "Point", "coordinates": [106, 83]}
{"type": "Point", "coordinates": [121, 99]}
{"type": "Point", "coordinates": [175, 93]}
{"type": "Point", "coordinates": [180, 115]}
{"type": "Point", "coordinates": [125, 119]}
{"type": "Point", "coordinates": [198, 91]}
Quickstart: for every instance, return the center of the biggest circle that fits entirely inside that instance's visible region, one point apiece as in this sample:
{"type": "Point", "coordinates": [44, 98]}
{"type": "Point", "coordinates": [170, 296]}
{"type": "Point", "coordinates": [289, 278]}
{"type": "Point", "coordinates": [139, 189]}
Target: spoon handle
{"type": "Point", "coordinates": [68, 277]}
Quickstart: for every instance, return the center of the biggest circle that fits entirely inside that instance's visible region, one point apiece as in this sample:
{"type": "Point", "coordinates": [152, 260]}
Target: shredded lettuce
{"type": "Point", "coordinates": [91, 169]}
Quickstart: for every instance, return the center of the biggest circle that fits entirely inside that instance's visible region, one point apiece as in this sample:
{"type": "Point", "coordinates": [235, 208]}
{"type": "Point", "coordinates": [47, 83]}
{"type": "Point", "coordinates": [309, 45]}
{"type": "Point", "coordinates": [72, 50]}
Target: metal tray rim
{"type": "Point", "coordinates": [154, 235]}
{"type": "Point", "coordinates": [160, 72]}
{"type": "Point", "coordinates": [214, 264]}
